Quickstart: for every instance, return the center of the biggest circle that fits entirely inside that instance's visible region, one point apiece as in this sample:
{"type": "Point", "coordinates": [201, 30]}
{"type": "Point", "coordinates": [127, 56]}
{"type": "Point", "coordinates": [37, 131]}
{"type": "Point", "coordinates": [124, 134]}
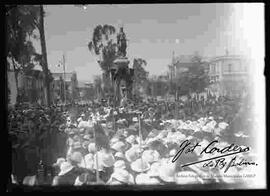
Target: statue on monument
{"type": "Point", "coordinates": [122, 43]}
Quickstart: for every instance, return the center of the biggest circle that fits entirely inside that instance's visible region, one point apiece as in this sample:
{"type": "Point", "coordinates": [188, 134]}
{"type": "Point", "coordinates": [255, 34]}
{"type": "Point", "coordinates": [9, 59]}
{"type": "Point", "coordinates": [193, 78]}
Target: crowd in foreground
{"type": "Point", "coordinates": [135, 143]}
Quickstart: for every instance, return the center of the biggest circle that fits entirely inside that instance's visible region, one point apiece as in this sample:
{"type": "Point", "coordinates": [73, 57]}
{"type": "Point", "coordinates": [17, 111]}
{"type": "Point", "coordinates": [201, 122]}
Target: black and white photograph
{"type": "Point", "coordinates": [136, 96]}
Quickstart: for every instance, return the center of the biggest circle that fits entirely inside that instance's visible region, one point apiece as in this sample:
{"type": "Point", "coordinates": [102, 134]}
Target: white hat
{"type": "Point", "coordinates": [118, 146]}
{"type": "Point", "coordinates": [120, 164]}
{"type": "Point", "coordinates": [217, 131]}
{"type": "Point", "coordinates": [135, 119]}
{"type": "Point", "coordinates": [122, 176]}
{"type": "Point", "coordinates": [187, 177]}
{"type": "Point", "coordinates": [92, 148]}
{"type": "Point", "coordinates": [88, 161]}
{"type": "Point", "coordinates": [79, 119]}
{"type": "Point", "coordinates": [172, 152]}
{"type": "Point", "coordinates": [189, 137]}
{"type": "Point", "coordinates": [30, 180]}
{"type": "Point", "coordinates": [78, 182]}
{"type": "Point", "coordinates": [211, 118]}
{"type": "Point", "coordinates": [206, 128]}
{"type": "Point", "coordinates": [131, 139]}
{"type": "Point", "coordinates": [146, 180]}
{"type": "Point", "coordinates": [65, 168]}
{"type": "Point", "coordinates": [140, 165]}
{"type": "Point", "coordinates": [150, 156]}
{"type": "Point", "coordinates": [132, 154]}
{"type": "Point", "coordinates": [223, 125]}
{"type": "Point", "coordinates": [86, 137]}
{"type": "Point", "coordinates": [104, 159]}
{"type": "Point", "coordinates": [59, 161]}
{"type": "Point", "coordinates": [76, 157]}
{"type": "Point", "coordinates": [77, 145]}
{"type": "Point", "coordinates": [240, 134]}
{"type": "Point", "coordinates": [154, 169]}
{"type": "Point", "coordinates": [167, 171]}
{"type": "Point", "coordinates": [119, 155]}
{"type": "Point", "coordinates": [114, 140]}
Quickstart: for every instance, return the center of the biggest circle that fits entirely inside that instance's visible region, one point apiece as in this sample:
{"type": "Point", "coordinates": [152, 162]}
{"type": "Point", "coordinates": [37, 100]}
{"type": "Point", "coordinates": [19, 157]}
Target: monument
{"type": "Point", "coordinates": [121, 74]}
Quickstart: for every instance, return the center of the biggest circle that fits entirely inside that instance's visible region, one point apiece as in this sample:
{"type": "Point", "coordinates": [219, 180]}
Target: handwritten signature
{"type": "Point", "coordinates": [216, 161]}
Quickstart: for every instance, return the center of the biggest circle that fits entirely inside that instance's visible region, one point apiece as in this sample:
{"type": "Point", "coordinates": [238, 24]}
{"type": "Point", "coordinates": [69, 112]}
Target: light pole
{"type": "Point", "coordinates": [64, 75]}
{"type": "Point", "coordinates": [64, 69]}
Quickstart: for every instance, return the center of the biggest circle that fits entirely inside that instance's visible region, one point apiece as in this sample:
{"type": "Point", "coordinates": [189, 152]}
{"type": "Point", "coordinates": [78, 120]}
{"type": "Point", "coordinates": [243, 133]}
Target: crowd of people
{"type": "Point", "coordinates": [134, 144]}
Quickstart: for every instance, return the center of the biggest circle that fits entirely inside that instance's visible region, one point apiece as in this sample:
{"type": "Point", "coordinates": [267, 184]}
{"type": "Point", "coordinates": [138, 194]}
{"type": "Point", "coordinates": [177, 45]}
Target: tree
{"type": "Point", "coordinates": [20, 26]}
{"type": "Point", "coordinates": [194, 80]}
{"type": "Point", "coordinates": [109, 46]}
{"type": "Point", "coordinates": [140, 74]}
{"type": "Point", "coordinates": [22, 21]}
{"type": "Point", "coordinates": [104, 46]}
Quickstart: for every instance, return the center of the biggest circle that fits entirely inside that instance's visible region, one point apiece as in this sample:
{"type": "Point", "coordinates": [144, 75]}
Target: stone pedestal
{"type": "Point", "coordinates": [121, 78]}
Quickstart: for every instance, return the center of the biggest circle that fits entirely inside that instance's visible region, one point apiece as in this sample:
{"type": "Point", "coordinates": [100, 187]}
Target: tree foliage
{"type": "Point", "coordinates": [194, 80]}
{"type": "Point", "coordinates": [140, 74]}
{"type": "Point", "coordinates": [103, 44]}
{"type": "Point", "coordinates": [21, 23]}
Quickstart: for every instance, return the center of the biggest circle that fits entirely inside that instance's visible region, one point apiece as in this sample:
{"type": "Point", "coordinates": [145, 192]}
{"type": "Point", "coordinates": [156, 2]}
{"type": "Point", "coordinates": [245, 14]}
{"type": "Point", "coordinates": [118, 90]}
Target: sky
{"type": "Point", "coordinates": [154, 31]}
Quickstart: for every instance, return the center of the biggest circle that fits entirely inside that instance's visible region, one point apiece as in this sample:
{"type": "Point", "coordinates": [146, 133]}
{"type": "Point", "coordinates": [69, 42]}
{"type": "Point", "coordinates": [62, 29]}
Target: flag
{"type": "Point", "coordinates": [102, 140]}
{"type": "Point", "coordinates": [145, 129]}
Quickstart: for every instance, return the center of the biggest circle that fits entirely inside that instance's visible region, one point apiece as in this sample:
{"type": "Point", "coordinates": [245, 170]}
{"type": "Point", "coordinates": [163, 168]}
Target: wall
{"type": "Point", "coordinates": [12, 87]}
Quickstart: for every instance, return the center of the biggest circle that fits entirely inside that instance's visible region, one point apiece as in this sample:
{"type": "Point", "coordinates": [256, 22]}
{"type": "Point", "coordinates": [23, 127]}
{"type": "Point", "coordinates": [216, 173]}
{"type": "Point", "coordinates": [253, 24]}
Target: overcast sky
{"type": "Point", "coordinates": [152, 31]}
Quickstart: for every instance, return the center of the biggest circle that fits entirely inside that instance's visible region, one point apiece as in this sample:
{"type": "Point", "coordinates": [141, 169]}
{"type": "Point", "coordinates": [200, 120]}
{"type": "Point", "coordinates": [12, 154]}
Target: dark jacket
{"type": "Point", "coordinates": [70, 177]}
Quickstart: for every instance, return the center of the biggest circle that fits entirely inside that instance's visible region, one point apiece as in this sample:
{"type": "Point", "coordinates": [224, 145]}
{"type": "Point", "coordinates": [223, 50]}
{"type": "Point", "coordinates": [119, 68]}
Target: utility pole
{"type": "Point", "coordinates": [64, 68]}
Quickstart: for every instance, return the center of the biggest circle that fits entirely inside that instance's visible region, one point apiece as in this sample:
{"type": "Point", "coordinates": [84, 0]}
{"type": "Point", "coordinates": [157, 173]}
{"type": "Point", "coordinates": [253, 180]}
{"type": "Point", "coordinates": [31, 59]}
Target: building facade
{"type": "Point", "coordinates": [229, 75]}
{"type": "Point", "coordinates": [64, 87]}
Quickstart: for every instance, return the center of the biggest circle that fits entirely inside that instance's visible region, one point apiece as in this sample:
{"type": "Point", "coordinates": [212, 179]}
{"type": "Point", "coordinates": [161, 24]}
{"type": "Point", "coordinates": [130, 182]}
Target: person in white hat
{"type": "Point", "coordinates": [81, 180]}
{"type": "Point", "coordinates": [65, 168]}
{"type": "Point", "coordinates": [30, 180]}
{"type": "Point", "coordinates": [114, 140]}
{"type": "Point", "coordinates": [167, 172]}
{"type": "Point", "coordinates": [150, 156]}
{"type": "Point", "coordinates": [76, 158]}
{"type": "Point", "coordinates": [120, 177]}
{"type": "Point", "coordinates": [133, 153]}
{"type": "Point", "coordinates": [120, 164]}
{"type": "Point", "coordinates": [103, 162]}
{"type": "Point", "coordinates": [68, 174]}
{"type": "Point", "coordinates": [58, 164]}
{"type": "Point", "coordinates": [145, 179]}
{"type": "Point", "coordinates": [154, 169]}
{"type": "Point", "coordinates": [118, 146]}
{"type": "Point", "coordinates": [131, 140]}
{"type": "Point", "coordinates": [88, 161]}
{"type": "Point", "coordinates": [119, 156]}
{"type": "Point", "coordinates": [140, 166]}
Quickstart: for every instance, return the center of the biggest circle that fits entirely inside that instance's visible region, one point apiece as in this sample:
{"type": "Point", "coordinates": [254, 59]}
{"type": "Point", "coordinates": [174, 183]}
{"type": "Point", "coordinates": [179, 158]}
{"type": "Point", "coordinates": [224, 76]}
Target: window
{"type": "Point", "coordinates": [214, 68]}
{"type": "Point", "coordinates": [229, 67]}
